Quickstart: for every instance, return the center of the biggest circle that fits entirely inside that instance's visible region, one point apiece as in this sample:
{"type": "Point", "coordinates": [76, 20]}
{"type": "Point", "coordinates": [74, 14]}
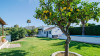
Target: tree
{"type": "Point", "coordinates": [61, 13]}
{"type": "Point", "coordinates": [17, 33]}
{"type": "Point", "coordinates": [87, 12]}
{"type": "Point", "coordinates": [32, 32]}
{"type": "Point", "coordinates": [28, 21]}
{"type": "Point", "coordinates": [29, 32]}
{"type": "Point", "coordinates": [16, 26]}
{"type": "Point", "coordinates": [88, 24]}
{"type": "Point", "coordinates": [36, 30]}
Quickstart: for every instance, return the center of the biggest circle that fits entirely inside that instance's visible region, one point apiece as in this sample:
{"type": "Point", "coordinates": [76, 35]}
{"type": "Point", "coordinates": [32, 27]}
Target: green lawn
{"type": "Point", "coordinates": [46, 46]}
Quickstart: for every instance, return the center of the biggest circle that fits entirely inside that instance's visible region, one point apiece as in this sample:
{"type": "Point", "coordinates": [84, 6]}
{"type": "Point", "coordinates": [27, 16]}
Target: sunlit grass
{"type": "Point", "coordinates": [45, 47]}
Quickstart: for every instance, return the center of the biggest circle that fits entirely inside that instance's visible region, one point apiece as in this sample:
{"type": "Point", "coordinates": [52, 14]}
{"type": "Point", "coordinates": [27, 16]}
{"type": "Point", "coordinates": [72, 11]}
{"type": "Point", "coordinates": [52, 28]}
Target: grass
{"type": "Point", "coordinates": [46, 46]}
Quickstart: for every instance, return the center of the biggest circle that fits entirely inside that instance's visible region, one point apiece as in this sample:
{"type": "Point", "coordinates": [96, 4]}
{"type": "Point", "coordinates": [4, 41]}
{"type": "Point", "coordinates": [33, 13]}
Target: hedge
{"type": "Point", "coordinates": [17, 33]}
{"type": "Point", "coordinates": [91, 30]}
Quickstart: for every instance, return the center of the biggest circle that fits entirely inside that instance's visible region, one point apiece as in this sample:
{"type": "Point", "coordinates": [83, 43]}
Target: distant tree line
{"type": "Point", "coordinates": [17, 32]}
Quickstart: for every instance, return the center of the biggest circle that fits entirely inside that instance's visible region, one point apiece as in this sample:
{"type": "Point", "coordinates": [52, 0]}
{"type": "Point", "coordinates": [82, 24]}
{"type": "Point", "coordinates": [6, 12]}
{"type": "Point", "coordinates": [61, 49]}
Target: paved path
{"type": "Point", "coordinates": [94, 40]}
{"type": "Point", "coordinates": [14, 45]}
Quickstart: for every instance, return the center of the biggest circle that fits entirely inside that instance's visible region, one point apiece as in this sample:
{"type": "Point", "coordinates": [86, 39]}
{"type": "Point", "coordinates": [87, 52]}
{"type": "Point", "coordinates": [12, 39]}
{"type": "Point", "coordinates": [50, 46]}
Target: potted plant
{"type": "Point", "coordinates": [3, 39]}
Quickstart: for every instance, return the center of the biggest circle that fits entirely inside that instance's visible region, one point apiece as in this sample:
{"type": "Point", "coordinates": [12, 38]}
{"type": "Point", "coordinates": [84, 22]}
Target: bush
{"type": "Point", "coordinates": [0, 32]}
{"type": "Point", "coordinates": [91, 30]}
{"type": "Point", "coordinates": [29, 32]}
{"type": "Point", "coordinates": [32, 32]}
{"type": "Point", "coordinates": [7, 30]}
{"type": "Point", "coordinates": [36, 30]}
{"type": "Point", "coordinates": [17, 33]}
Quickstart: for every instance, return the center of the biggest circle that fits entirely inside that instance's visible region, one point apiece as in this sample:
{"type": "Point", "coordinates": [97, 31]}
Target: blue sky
{"type": "Point", "coordinates": [18, 11]}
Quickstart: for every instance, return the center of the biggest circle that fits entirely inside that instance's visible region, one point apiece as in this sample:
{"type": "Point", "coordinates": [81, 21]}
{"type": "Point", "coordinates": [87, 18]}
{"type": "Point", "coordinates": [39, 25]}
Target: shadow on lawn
{"type": "Point", "coordinates": [14, 53]}
{"type": "Point", "coordinates": [58, 43]}
{"type": "Point", "coordinates": [48, 39]}
{"type": "Point", "coordinates": [77, 45]}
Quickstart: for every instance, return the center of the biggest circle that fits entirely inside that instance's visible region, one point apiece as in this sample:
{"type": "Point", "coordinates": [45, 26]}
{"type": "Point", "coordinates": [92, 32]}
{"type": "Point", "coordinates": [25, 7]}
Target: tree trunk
{"type": "Point", "coordinates": [65, 31]}
{"type": "Point", "coordinates": [2, 30]}
{"type": "Point", "coordinates": [67, 45]}
{"type": "Point", "coordinates": [83, 28]}
{"type": "Point", "coordinates": [28, 25]}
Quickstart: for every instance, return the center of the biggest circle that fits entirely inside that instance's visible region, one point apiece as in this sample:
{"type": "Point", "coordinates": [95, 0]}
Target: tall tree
{"type": "Point", "coordinates": [87, 12]}
{"type": "Point", "coordinates": [61, 13]}
{"type": "Point", "coordinates": [28, 21]}
{"type": "Point", "coordinates": [16, 26]}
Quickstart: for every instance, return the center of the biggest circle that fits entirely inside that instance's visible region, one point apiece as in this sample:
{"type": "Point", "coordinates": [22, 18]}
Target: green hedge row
{"type": "Point", "coordinates": [91, 30]}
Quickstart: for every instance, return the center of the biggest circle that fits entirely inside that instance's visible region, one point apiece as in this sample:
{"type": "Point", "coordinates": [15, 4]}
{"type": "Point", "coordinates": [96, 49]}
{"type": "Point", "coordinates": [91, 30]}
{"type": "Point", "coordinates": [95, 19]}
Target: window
{"type": "Point", "coordinates": [44, 32]}
{"type": "Point", "coordinates": [49, 32]}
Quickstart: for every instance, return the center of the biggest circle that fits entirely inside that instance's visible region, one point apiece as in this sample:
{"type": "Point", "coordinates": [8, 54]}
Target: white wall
{"type": "Point", "coordinates": [8, 37]}
{"type": "Point", "coordinates": [94, 40]}
{"type": "Point", "coordinates": [41, 33]}
{"type": "Point", "coordinates": [57, 31]}
{"type": "Point", "coordinates": [62, 36]}
{"type": "Point", "coordinates": [50, 35]}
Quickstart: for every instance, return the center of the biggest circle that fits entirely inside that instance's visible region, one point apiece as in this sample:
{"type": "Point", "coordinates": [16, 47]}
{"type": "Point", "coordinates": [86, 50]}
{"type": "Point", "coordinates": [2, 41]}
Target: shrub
{"type": "Point", "coordinates": [29, 32]}
{"type": "Point", "coordinates": [32, 32]}
{"type": "Point", "coordinates": [17, 33]}
{"type": "Point", "coordinates": [0, 32]}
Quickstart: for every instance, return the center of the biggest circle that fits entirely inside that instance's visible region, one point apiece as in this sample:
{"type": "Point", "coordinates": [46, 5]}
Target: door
{"type": "Point", "coordinates": [47, 33]}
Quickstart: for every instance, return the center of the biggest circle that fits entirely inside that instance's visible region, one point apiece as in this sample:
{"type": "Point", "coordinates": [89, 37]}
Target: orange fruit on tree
{"type": "Point", "coordinates": [62, 2]}
{"type": "Point", "coordinates": [71, 9]}
{"type": "Point", "coordinates": [77, 9]}
{"type": "Point", "coordinates": [64, 8]}
{"type": "Point", "coordinates": [68, 7]}
{"type": "Point", "coordinates": [45, 17]}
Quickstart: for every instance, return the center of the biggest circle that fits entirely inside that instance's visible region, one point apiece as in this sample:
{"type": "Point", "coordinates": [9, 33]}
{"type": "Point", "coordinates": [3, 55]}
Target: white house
{"type": "Point", "coordinates": [51, 32]}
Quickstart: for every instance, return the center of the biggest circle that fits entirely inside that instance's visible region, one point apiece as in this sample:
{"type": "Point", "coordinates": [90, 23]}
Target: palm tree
{"type": "Point", "coordinates": [28, 21]}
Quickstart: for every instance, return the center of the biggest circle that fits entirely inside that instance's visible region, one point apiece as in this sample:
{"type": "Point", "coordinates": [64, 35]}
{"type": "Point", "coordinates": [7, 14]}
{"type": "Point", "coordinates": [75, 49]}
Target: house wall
{"type": "Point", "coordinates": [50, 35]}
{"type": "Point", "coordinates": [57, 31]}
{"type": "Point", "coordinates": [62, 36]}
{"type": "Point", "coordinates": [44, 35]}
{"type": "Point", "coordinates": [8, 37]}
{"type": "Point", "coordinates": [41, 33]}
